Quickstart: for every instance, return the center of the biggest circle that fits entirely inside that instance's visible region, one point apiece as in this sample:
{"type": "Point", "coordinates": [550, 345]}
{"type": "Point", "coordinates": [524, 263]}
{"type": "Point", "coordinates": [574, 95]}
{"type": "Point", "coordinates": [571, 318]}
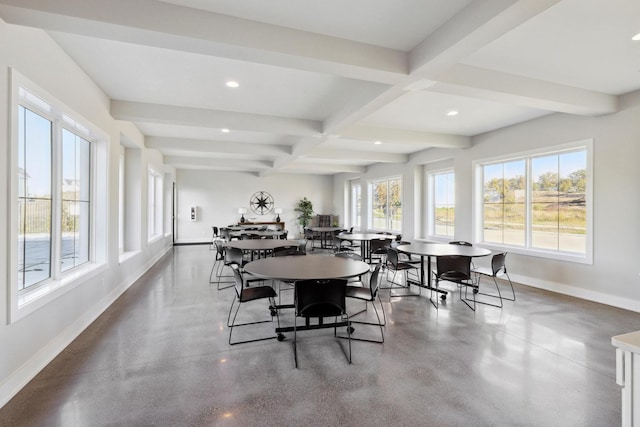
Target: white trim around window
{"type": "Point", "coordinates": [28, 96]}
{"type": "Point", "coordinates": [525, 244]}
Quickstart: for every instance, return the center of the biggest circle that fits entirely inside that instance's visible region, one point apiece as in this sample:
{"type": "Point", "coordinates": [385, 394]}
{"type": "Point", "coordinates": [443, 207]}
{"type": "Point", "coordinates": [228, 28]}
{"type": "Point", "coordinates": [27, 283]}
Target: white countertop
{"type": "Point", "coordinates": [629, 342]}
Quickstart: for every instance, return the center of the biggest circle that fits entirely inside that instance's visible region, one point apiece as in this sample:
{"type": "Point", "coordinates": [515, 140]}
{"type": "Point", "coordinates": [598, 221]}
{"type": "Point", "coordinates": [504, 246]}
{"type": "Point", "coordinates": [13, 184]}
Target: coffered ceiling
{"type": "Point", "coordinates": [335, 86]}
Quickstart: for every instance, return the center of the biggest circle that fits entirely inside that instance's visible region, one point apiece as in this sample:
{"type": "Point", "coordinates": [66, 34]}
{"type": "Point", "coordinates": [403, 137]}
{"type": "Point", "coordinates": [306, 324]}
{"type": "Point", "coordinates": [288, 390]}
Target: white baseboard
{"type": "Point", "coordinates": [573, 291]}
{"type": "Point", "coordinates": [21, 377]}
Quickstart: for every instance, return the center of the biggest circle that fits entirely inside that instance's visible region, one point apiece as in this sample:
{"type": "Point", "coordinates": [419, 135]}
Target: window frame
{"type": "Point", "coordinates": [155, 205]}
{"type": "Point", "coordinates": [431, 203]}
{"type": "Point", "coordinates": [355, 203]}
{"type": "Point", "coordinates": [370, 184]}
{"type": "Point", "coordinates": [24, 302]}
{"type": "Point", "coordinates": [527, 156]}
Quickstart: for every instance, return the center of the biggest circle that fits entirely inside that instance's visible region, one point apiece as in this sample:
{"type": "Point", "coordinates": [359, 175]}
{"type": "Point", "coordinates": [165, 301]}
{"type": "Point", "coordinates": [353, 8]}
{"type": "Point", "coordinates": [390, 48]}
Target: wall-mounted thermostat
{"type": "Point", "coordinates": [194, 213]}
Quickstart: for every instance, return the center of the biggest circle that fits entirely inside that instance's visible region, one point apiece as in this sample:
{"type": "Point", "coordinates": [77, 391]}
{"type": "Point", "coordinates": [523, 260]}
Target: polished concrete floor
{"type": "Point", "coordinates": [159, 356]}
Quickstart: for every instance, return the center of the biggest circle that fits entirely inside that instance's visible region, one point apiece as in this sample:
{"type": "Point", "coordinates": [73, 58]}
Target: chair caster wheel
{"type": "Point", "coordinates": [443, 297]}
{"type": "Point", "coordinates": [281, 337]}
{"type": "Point", "coordinates": [350, 329]}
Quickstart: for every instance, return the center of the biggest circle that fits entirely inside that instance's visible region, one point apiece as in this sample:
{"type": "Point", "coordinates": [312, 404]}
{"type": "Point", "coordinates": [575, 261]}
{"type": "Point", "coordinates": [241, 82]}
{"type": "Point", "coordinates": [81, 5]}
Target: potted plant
{"type": "Point", "coordinates": [304, 207]}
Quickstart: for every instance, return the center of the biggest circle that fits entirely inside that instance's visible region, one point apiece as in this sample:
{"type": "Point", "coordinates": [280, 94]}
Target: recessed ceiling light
{"type": "Point", "coordinates": [378, 142]}
{"type": "Point", "coordinates": [232, 83]}
{"type": "Point", "coordinates": [452, 113]}
{"type": "Point", "coordinates": [225, 130]}
{"type": "Point", "coordinates": [636, 37]}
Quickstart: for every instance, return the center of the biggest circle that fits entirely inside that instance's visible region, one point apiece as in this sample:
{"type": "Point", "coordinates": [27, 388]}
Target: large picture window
{"type": "Point", "coordinates": [441, 204]}
{"type": "Point", "coordinates": [539, 202]}
{"type": "Point", "coordinates": [51, 240]}
{"type": "Point", "coordinates": [58, 195]}
{"type": "Point", "coordinates": [386, 204]}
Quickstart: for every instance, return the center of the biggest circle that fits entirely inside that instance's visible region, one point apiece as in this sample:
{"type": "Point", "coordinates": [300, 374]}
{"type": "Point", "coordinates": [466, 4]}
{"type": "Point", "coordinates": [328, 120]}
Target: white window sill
{"type": "Point", "coordinates": [125, 256]}
{"type": "Point", "coordinates": [28, 302]}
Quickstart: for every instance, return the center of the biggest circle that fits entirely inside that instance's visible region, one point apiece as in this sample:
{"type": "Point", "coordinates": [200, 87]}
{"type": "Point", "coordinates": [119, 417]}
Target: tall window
{"type": "Point", "coordinates": [539, 202]}
{"type": "Point", "coordinates": [35, 152]}
{"type": "Point", "coordinates": [355, 206]}
{"type": "Point", "coordinates": [386, 204]}
{"type": "Point", "coordinates": [53, 164]}
{"type": "Point", "coordinates": [155, 204]}
{"type": "Point", "coordinates": [441, 206]}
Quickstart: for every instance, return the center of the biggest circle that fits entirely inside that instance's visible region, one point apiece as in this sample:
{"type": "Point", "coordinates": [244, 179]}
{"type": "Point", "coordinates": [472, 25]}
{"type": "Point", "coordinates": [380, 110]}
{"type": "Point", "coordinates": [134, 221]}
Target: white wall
{"type": "Point", "coordinates": [27, 345]}
{"type": "Point", "coordinates": [614, 276]}
{"type": "Point", "coordinates": [218, 195]}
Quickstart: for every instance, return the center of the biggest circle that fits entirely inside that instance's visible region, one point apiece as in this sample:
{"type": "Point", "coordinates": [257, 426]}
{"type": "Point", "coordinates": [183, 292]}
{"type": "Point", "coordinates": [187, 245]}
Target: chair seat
{"type": "Point", "coordinates": [404, 266]}
{"type": "Point", "coordinates": [486, 271]}
{"type": "Point", "coordinates": [359, 292]}
{"type": "Point", "coordinates": [454, 276]}
{"type": "Point", "coordinates": [258, 292]}
{"type": "Point", "coordinates": [321, 310]}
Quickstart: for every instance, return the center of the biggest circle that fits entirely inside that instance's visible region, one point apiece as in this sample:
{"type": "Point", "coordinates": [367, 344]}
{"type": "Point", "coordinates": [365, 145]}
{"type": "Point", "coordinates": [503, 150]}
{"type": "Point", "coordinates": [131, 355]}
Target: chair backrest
{"type": "Point", "coordinates": [215, 231]}
{"type": "Point", "coordinates": [239, 282]}
{"type": "Point", "coordinates": [392, 256]}
{"type": "Point", "coordinates": [498, 263]}
{"type": "Point", "coordinates": [220, 250]}
{"type": "Point", "coordinates": [308, 234]}
{"type": "Point", "coordinates": [374, 282]}
{"type": "Point", "coordinates": [379, 245]}
{"type": "Point", "coordinates": [224, 233]}
{"type": "Point", "coordinates": [287, 250]}
{"type": "Point", "coordinates": [459, 264]}
{"type": "Point", "coordinates": [320, 298]}
{"type": "Point", "coordinates": [234, 256]}
{"type": "Point", "coordinates": [460, 243]}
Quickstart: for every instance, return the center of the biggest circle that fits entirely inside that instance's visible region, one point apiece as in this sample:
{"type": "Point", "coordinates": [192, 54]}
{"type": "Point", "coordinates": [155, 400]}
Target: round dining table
{"type": "Point", "coordinates": [430, 249]}
{"type": "Point", "coordinates": [259, 233]}
{"type": "Point", "coordinates": [307, 267]}
{"type": "Point", "coordinates": [260, 246]}
{"type": "Point", "coordinates": [365, 241]}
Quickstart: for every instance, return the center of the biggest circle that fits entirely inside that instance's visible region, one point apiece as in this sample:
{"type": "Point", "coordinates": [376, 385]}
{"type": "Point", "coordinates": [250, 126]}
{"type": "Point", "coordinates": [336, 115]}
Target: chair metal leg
{"type": "Point", "coordinates": [231, 323]}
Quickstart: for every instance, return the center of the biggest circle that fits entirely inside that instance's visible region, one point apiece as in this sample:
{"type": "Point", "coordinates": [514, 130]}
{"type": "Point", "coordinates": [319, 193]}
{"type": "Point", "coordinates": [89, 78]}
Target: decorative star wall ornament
{"type": "Point", "coordinates": [261, 203]}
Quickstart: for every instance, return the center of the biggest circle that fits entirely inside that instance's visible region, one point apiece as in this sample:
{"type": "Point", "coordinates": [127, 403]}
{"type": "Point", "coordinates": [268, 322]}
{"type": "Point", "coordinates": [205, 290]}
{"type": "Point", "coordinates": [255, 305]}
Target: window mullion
{"type": "Point", "coordinates": [56, 202]}
{"type": "Point", "coordinates": [528, 210]}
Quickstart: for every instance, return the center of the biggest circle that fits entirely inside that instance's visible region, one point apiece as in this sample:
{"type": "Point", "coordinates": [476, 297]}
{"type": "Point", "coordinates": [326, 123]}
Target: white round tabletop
{"type": "Point", "coordinates": [442, 249]}
{"type": "Point", "coordinates": [306, 267]}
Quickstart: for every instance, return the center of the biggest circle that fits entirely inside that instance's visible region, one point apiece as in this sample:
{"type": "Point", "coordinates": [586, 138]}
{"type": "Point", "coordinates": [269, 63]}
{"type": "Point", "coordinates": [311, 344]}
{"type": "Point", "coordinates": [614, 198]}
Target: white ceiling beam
{"type": "Point", "coordinates": [404, 136]}
{"type": "Point", "coordinates": [324, 167]}
{"type": "Point", "coordinates": [226, 147]}
{"type": "Point", "coordinates": [168, 26]}
{"type": "Point", "coordinates": [186, 116]}
{"type": "Point", "coordinates": [477, 82]}
{"type": "Point", "coordinates": [477, 25]}
{"type": "Point", "coordinates": [480, 23]}
{"type": "Point", "coordinates": [217, 164]}
{"type": "Point", "coordinates": [365, 156]}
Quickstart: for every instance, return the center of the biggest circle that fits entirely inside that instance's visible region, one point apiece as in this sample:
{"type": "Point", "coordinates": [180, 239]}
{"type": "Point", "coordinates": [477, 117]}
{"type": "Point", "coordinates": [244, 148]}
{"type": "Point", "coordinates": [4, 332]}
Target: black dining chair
{"type": "Point", "coordinates": [408, 270]}
{"type": "Point", "coordinates": [455, 269]}
{"type": "Point", "coordinates": [245, 294]}
{"type": "Point", "coordinates": [368, 294]}
{"type": "Point", "coordinates": [319, 299]}
{"type": "Point", "coordinates": [498, 268]}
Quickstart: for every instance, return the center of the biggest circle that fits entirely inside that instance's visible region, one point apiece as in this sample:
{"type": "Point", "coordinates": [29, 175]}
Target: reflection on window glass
{"type": "Point", "coordinates": [34, 198]}
{"type": "Point", "coordinates": [386, 205]}
{"type": "Point", "coordinates": [444, 204]}
{"type": "Point", "coordinates": [554, 213]}
{"type": "Point", "coordinates": [75, 200]}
